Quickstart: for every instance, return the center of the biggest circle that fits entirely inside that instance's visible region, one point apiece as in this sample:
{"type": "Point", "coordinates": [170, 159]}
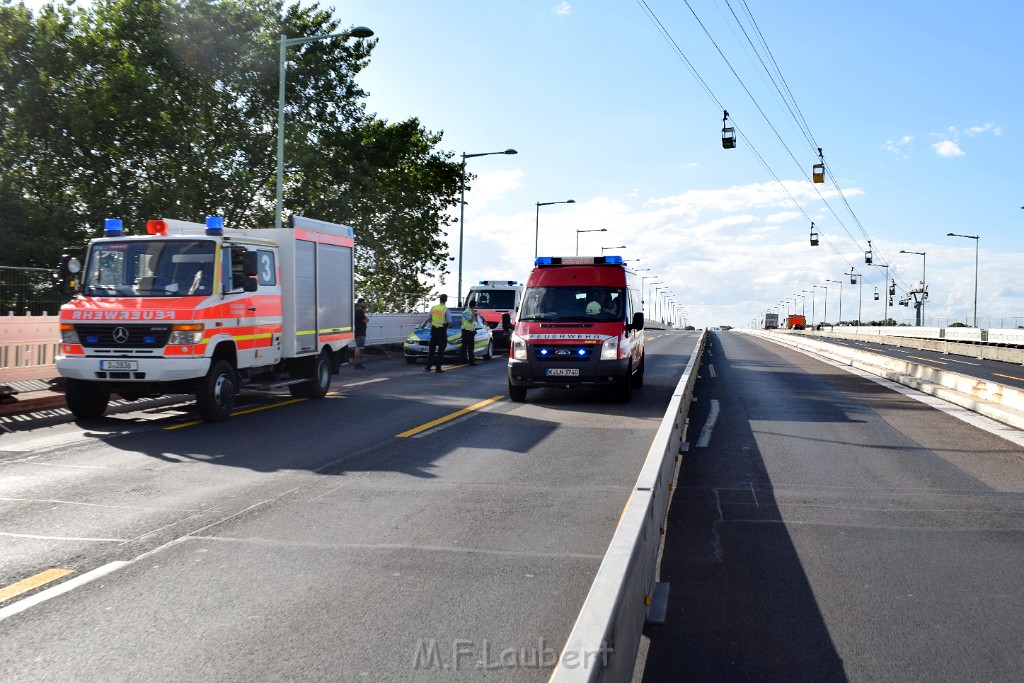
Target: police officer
{"type": "Point", "coordinates": [469, 333]}
{"type": "Point", "coordinates": [438, 333]}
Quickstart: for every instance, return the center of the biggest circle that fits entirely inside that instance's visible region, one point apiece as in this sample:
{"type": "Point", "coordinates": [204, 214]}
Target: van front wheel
{"type": "Point", "coordinates": [215, 397]}
{"type": "Point", "coordinates": [517, 394]}
{"type": "Point", "coordinates": [85, 400]}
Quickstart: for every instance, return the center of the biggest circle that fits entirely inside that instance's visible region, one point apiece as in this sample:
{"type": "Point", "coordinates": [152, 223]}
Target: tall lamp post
{"type": "Point", "coordinates": [285, 43]}
{"type": "Point", "coordinates": [462, 207]}
{"type": "Point", "coordinates": [840, 283]}
{"type": "Point", "coordinates": [977, 240]}
{"type": "Point", "coordinates": [924, 283]}
{"type": "Point", "coordinates": [858, 279]}
{"type": "Point", "coordinates": [621, 246]}
{"type": "Point", "coordinates": [578, 236]}
{"type": "Point", "coordinates": [813, 298]}
{"type": "Point", "coordinates": [825, 315]}
{"type": "Point", "coordinates": [536, 231]}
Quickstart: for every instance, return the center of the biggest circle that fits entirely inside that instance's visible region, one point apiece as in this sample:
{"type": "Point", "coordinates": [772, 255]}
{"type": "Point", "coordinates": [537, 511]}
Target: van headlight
{"type": "Point", "coordinates": [518, 348]}
{"type": "Point", "coordinates": [184, 335]}
{"type": "Point", "coordinates": [68, 334]}
{"type": "Point", "coordinates": [610, 349]}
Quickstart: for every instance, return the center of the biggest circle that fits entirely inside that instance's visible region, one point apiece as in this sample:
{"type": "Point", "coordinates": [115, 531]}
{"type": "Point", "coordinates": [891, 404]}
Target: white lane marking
{"type": "Point", "coordinates": [711, 370]}
{"type": "Point", "coordinates": [59, 589]}
{"type": "Point", "coordinates": [365, 381]}
{"type": "Point", "coordinates": [963, 362]}
{"type": "Point", "coordinates": [705, 433]}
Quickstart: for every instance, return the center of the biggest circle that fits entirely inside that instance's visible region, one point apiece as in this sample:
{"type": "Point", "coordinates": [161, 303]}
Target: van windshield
{"type": "Point", "coordinates": [150, 268]}
{"type": "Point", "coordinates": [494, 298]}
{"type": "Point", "coordinates": [573, 304]}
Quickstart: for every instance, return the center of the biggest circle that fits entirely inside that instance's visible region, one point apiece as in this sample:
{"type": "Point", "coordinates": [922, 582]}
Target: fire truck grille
{"type": "Point", "coordinates": [123, 336]}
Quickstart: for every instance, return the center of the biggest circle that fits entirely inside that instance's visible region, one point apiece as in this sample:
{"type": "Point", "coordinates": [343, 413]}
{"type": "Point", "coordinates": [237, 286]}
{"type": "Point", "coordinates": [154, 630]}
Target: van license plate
{"type": "Point", "coordinates": [562, 372]}
{"type": "Point", "coordinates": [119, 365]}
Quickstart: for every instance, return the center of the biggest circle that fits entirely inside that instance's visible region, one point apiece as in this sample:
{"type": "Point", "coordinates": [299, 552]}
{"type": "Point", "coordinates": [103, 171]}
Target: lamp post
{"type": "Point", "coordinates": [858, 279]}
{"type": "Point", "coordinates": [462, 207]}
{"type": "Point", "coordinates": [825, 315]}
{"type": "Point", "coordinates": [285, 43]}
{"type": "Point", "coordinates": [924, 285]}
{"type": "Point", "coordinates": [813, 298]}
{"type": "Point", "coordinates": [621, 246]}
{"type": "Point", "coordinates": [651, 290]}
{"type": "Point", "coordinates": [536, 231]}
{"type": "Point", "coordinates": [840, 283]}
{"type": "Point", "coordinates": [977, 240]}
{"type": "Point", "coordinates": [578, 237]}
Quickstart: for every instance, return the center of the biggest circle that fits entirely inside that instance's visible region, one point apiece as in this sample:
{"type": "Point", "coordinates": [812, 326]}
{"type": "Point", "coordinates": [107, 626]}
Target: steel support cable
{"type": "Point", "coordinates": [707, 89]}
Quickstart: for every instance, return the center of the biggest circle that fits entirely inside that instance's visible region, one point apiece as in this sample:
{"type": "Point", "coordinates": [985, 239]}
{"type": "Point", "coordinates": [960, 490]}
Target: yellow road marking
{"type": "Point", "coordinates": [447, 418]}
{"type": "Point", "coordinates": [928, 360]}
{"type": "Point", "coordinates": [25, 585]}
{"type": "Point", "coordinates": [240, 412]}
{"type": "Point", "coordinates": [1019, 379]}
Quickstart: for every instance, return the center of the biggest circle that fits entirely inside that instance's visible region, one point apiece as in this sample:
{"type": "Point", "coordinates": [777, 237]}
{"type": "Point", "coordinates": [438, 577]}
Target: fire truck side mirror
{"type": "Point", "coordinates": [638, 321]}
{"type": "Point", "coordinates": [68, 281]}
{"type": "Point", "coordinates": [250, 264]}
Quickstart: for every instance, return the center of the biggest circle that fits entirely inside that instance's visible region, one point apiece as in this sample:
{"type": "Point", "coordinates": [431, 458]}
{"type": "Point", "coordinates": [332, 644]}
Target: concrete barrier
{"type": "Point", "coordinates": [625, 593]}
{"type": "Point", "coordinates": [993, 400]}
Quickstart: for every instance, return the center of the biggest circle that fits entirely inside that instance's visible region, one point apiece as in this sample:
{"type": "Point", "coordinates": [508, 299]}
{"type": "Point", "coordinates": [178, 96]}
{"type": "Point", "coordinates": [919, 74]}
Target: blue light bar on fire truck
{"type": "Point", "coordinates": [112, 227]}
{"type": "Point", "coordinates": [215, 226]}
{"type": "Point", "coordinates": [578, 260]}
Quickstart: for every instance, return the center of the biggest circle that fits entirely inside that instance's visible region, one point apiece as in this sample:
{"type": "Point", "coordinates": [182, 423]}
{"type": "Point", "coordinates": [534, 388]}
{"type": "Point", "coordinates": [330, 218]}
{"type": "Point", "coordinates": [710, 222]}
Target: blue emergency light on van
{"type": "Point", "coordinates": [112, 227]}
{"type": "Point", "coordinates": [215, 226]}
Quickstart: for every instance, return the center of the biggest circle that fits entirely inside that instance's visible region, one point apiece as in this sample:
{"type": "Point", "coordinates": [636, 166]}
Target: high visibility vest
{"type": "Point", "coordinates": [468, 319]}
{"type": "Point", "coordinates": [439, 315]}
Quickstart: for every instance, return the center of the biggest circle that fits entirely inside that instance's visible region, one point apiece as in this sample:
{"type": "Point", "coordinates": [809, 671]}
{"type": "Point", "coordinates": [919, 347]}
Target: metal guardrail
{"type": "Point", "coordinates": [29, 291]}
{"type": "Point", "coordinates": [604, 641]}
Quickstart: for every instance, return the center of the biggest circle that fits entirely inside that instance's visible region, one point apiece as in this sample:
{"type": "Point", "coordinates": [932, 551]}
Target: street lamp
{"type": "Point", "coordinates": [536, 232]}
{"type": "Point", "coordinates": [462, 207]}
{"type": "Point", "coordinates": [813, 297]}
{"type": "Point", "coordinates": [825, 315]}
{"type": "Point", "coordinates": [621, 246]}
{"type": "Point", "coordinates": [924, 285]}
{"type": "Point", "coordinates": [977, 240]}
{"type": "Point", "coordinates": [578, 237]}
{"type": "Point", "coordinates": [840, 283]}
{"type": "Point", "coordinates": [285, 43]}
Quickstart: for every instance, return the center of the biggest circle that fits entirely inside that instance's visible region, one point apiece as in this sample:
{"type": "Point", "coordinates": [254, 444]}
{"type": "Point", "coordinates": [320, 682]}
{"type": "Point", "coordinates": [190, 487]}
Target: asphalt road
{"type": "Point", "coordinates": [409, 527]}
{"type": "Point", "coordinates": [832, 529]}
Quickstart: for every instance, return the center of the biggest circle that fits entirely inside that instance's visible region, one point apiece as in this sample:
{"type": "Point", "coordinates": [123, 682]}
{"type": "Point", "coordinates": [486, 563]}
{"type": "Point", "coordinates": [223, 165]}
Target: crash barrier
{"type": "Point", "coordinates": [996, 401]}
{"type": "Point", "coordinates": [625, 593]}
{"type": "Point", "coordinates": [30, 343]}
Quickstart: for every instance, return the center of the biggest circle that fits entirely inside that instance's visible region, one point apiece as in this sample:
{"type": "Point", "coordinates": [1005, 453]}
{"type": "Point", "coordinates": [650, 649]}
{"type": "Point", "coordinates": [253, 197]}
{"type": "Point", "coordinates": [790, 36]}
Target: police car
{"type": "Point", "coordinates": [417, 344]}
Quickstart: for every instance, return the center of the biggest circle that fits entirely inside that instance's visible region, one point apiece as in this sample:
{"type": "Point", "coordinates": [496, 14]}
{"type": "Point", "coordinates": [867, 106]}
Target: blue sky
{"type": "Point", "coordinates": [916, 106]}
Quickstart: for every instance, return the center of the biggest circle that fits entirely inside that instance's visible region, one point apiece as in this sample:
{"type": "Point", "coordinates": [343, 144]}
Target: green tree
{"type": "Point", "coordinates": [147, 108]}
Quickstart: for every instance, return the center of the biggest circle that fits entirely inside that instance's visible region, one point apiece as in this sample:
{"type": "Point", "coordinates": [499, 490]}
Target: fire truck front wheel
{"type": "Point", "coordinates": [85, 400]}
{"type": "Point", "coordinates": [215, 397]}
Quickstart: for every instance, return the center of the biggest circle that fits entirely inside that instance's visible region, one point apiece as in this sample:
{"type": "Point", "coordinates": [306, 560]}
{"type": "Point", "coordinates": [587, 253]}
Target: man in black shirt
{"type": "Point", "coordinates": [361, 320]}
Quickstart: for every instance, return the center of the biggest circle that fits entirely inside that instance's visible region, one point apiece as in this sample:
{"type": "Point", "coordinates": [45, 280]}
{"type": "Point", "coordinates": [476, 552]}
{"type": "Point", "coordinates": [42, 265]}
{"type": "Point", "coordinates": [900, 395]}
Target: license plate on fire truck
{"type": "Point", "coordinates": [562, 372]}
{"type": "Point", "coordinates": [119, 365]}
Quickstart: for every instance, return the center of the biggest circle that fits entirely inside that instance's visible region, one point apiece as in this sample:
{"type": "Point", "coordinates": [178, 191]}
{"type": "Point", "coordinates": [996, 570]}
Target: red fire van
{"type": "Point", "coordinates": [580, 324]}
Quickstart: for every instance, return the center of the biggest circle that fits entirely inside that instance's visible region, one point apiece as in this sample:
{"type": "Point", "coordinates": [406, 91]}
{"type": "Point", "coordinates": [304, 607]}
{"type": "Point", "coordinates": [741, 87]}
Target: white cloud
{"type": "Point", "coordinates": [977, 130]}
{"type": "Point", "coordinates": [563, 9]}
{"type": "Point", "coordinates": [948, 149]}
{"type": "Point", "coordinates": [898, 147]}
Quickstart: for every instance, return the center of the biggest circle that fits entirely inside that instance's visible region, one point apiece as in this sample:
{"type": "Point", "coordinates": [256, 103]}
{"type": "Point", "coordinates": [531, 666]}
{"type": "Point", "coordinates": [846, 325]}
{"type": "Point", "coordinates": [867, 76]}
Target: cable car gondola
{"type": "Point", "coordinates": [728, 133]}
{"type": "Point", "coordinates": [814, 235]}
{"type": "Point", "coordinates": [818, 170]}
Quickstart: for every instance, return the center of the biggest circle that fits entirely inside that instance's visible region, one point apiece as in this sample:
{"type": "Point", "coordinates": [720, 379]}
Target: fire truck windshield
{"type": "Point", "coordinates": [150, 268]}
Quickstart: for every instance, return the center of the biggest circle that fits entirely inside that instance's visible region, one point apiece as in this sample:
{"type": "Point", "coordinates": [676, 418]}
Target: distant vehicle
{"type": "Point", "coordinates": [796, 322]}
{"type": "Point", "coordinates": [496, 299]}
{"type": "Point", "coordinates": [771, 321]}
{"type": "Point", "coordinates": [416, 345]}
{"type": "Point", "coordinates": [581, 324]}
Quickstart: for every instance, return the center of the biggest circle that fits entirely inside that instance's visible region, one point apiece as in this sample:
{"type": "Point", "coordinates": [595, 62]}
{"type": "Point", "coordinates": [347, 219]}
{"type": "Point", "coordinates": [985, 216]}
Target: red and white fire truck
{"type": "Point", "coordinates": [200, 309]}
{"type": "Point", "coordinates": [497, 302]}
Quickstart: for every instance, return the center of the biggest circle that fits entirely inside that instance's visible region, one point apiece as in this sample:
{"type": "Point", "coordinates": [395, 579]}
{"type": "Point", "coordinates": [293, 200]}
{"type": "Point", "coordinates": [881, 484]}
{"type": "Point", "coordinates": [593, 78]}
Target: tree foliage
{"type": "Point", "coordinates": [168, 108]}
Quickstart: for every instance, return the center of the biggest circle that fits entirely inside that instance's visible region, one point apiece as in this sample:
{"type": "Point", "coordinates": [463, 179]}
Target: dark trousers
{"type": "Point", "coordinates": [468, 337]}
{"type": "Point", "coordinates": [435, 349]}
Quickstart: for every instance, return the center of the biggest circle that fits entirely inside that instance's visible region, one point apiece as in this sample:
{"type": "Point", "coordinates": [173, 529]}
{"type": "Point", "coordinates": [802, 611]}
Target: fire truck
{"type": "Point", "coordinates": [206, 310]}
{"type": "Point", "coordinates": [796, 322]}
{"type": "Point", "coordinates": [497, 302]}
